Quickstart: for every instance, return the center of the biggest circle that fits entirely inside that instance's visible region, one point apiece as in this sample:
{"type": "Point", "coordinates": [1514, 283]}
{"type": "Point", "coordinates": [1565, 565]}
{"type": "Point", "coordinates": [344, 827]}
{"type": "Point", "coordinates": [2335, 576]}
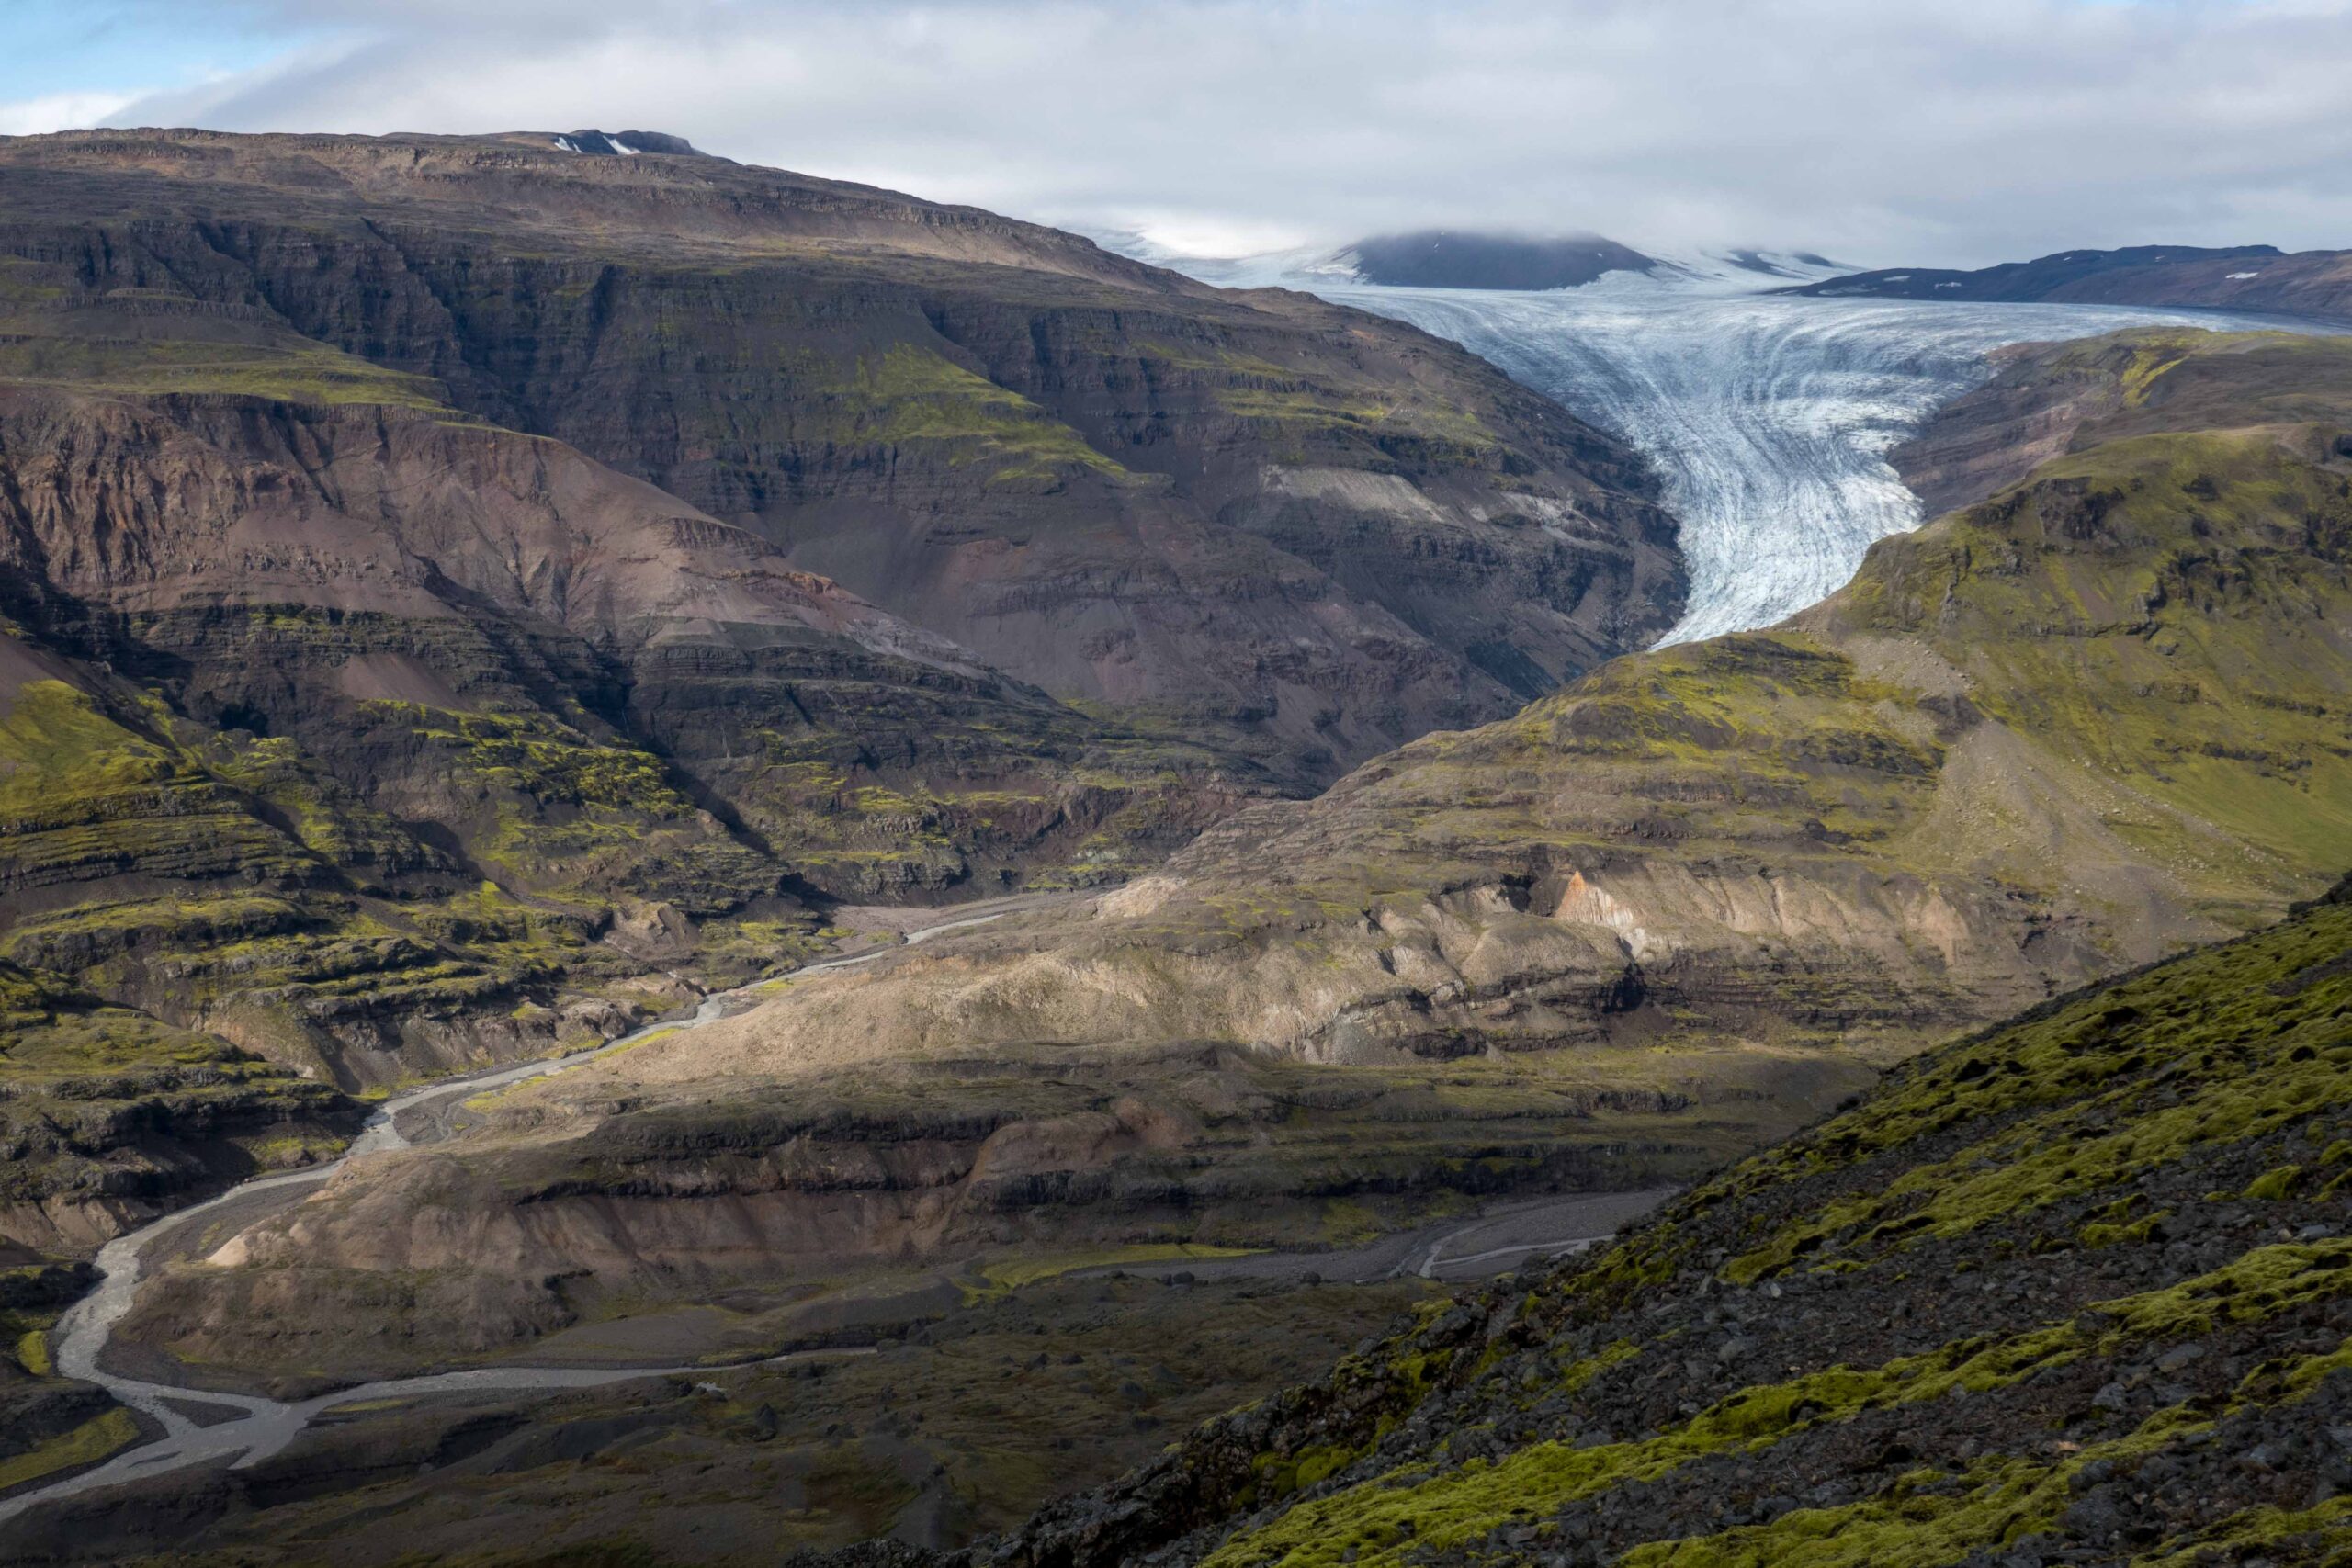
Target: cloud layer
{"type": "Point", "coordinates": [1929, 130]}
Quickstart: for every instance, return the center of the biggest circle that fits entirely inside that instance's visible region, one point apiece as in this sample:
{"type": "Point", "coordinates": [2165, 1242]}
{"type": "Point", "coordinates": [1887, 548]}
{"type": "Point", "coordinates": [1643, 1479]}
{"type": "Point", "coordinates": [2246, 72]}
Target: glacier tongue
{"type": "Point", "coordinates": [1769, 417]}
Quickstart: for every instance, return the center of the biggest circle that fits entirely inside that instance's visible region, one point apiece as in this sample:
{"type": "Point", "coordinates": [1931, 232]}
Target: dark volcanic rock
{"type": "Point", "coordinates": [1441, 258]}
{"type": "Point", "coordinates": [2235, 277]}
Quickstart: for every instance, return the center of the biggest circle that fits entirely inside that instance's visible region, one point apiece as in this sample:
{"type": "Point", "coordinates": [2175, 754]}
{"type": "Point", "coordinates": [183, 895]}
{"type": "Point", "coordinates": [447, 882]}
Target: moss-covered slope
{"type": "Point", "coordinates": [2075, 1289]}
{"type": "Point", "coordinates": [110, 1115]}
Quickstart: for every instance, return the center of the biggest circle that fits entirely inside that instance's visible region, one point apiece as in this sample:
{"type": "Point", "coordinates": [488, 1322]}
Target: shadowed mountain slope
{"type": "Point", "coordinates": [373, 741]}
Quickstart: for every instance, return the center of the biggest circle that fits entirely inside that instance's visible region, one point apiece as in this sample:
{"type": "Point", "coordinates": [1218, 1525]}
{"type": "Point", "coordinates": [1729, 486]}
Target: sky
{"type": "Point", "coordinates": [1954, 132]}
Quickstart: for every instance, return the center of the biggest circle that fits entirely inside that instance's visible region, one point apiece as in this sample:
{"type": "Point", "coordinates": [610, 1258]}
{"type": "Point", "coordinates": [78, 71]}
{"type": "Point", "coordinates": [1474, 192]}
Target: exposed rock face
{"type": "Point", "coordinates": [2237, 277]}
{"type": "Point", "coordinates": [623, 1190]}
{"type": "Point", "coordinates": [357, 734]}
{"type": "Point", "coordinates": [2044, 395]}
{"type": "Point", "coordinates": [447, 613]}
{"type": "Point", "coordinates": [111, 1116]}
{"type": "Point", "coordinates": [1310, 532]}
{"type": "Point", "coordinates": [2075, 1289]}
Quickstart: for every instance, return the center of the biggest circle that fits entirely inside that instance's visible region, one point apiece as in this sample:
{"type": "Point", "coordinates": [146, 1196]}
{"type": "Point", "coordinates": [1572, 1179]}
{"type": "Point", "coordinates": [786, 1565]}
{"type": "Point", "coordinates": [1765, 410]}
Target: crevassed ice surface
{"type": "Point", "coordinates": [1769, 417]}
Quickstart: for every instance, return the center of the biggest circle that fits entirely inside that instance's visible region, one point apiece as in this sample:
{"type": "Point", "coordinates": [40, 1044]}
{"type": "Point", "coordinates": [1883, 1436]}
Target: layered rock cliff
{"type": "Point", "coordinates": [2062, 731]}
{"type": "Point", "coordinates": [1309, 532]}
{"type": "Point", "coordinates": [462, 594]}
{"type": "Point", "coordinates": [361, 735]}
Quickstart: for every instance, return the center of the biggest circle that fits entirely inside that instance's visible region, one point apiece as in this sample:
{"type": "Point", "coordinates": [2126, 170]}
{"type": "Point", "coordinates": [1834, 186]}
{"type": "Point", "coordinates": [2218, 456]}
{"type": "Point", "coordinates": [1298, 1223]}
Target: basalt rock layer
{"type": "Point", "coordinates": [354, 734]}
{"type": "Point", "coordinates": [111, 1115]}
{"type": "Point", "coordinates": [2066, 731]}
{"type": "Point", "coordinates": [841, 1179]}
{"type": "Point", "coordinates": [1311, 531]}
{"type": "Point", "coordinates": [416, 653]}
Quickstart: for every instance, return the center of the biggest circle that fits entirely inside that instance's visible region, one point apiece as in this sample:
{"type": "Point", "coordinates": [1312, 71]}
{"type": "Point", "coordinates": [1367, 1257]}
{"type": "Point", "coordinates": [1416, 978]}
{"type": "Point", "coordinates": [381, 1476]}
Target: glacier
{"type": "Point", "coordinates": [1769, 417]}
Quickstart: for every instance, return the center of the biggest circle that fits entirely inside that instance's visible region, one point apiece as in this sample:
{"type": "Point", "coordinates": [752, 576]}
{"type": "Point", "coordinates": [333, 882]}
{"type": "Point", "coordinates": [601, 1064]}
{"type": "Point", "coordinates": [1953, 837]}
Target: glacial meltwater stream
{"type": "Point", "coordinates": [263, 1427]}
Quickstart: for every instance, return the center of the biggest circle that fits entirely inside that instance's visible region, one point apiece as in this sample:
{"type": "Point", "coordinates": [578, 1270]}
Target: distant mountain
{"type": "Point", "coordinates": [1445, 258]}
{"type": "Point", "coordinates": [1776, 264]}
{"type": "Point", "coordinates": [624, 143]}
{"type": "Point", "coordinates": [2236, 278]}
{"type": "Point", "coordinates": [1440, 258]}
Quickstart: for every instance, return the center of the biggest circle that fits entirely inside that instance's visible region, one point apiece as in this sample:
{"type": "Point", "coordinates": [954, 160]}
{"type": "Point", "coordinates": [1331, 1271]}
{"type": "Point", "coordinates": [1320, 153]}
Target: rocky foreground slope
{"type": "Point", "coordinates": [1657, 919]}
{"type": "Point", "coordinates": [2075, 1289]}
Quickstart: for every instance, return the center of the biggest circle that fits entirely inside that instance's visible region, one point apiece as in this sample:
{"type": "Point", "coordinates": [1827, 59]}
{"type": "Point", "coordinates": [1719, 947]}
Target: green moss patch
{"type": "Point", "coordinates": [87, 1444]}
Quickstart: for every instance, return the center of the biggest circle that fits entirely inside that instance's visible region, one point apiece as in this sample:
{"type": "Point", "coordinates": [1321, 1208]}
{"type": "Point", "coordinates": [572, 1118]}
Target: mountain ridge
{"type": "Point", "coordinates": [1086, 469]}
{"type": "Point", "coordinates": [2260, 278]}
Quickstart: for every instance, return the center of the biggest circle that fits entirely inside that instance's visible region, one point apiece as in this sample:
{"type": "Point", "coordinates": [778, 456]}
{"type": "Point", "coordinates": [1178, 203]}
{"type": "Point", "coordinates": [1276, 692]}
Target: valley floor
{"type": "Point", "coordinates": [237, 1453]}
{"type": "Point", "coordinates": [227, 1425]}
